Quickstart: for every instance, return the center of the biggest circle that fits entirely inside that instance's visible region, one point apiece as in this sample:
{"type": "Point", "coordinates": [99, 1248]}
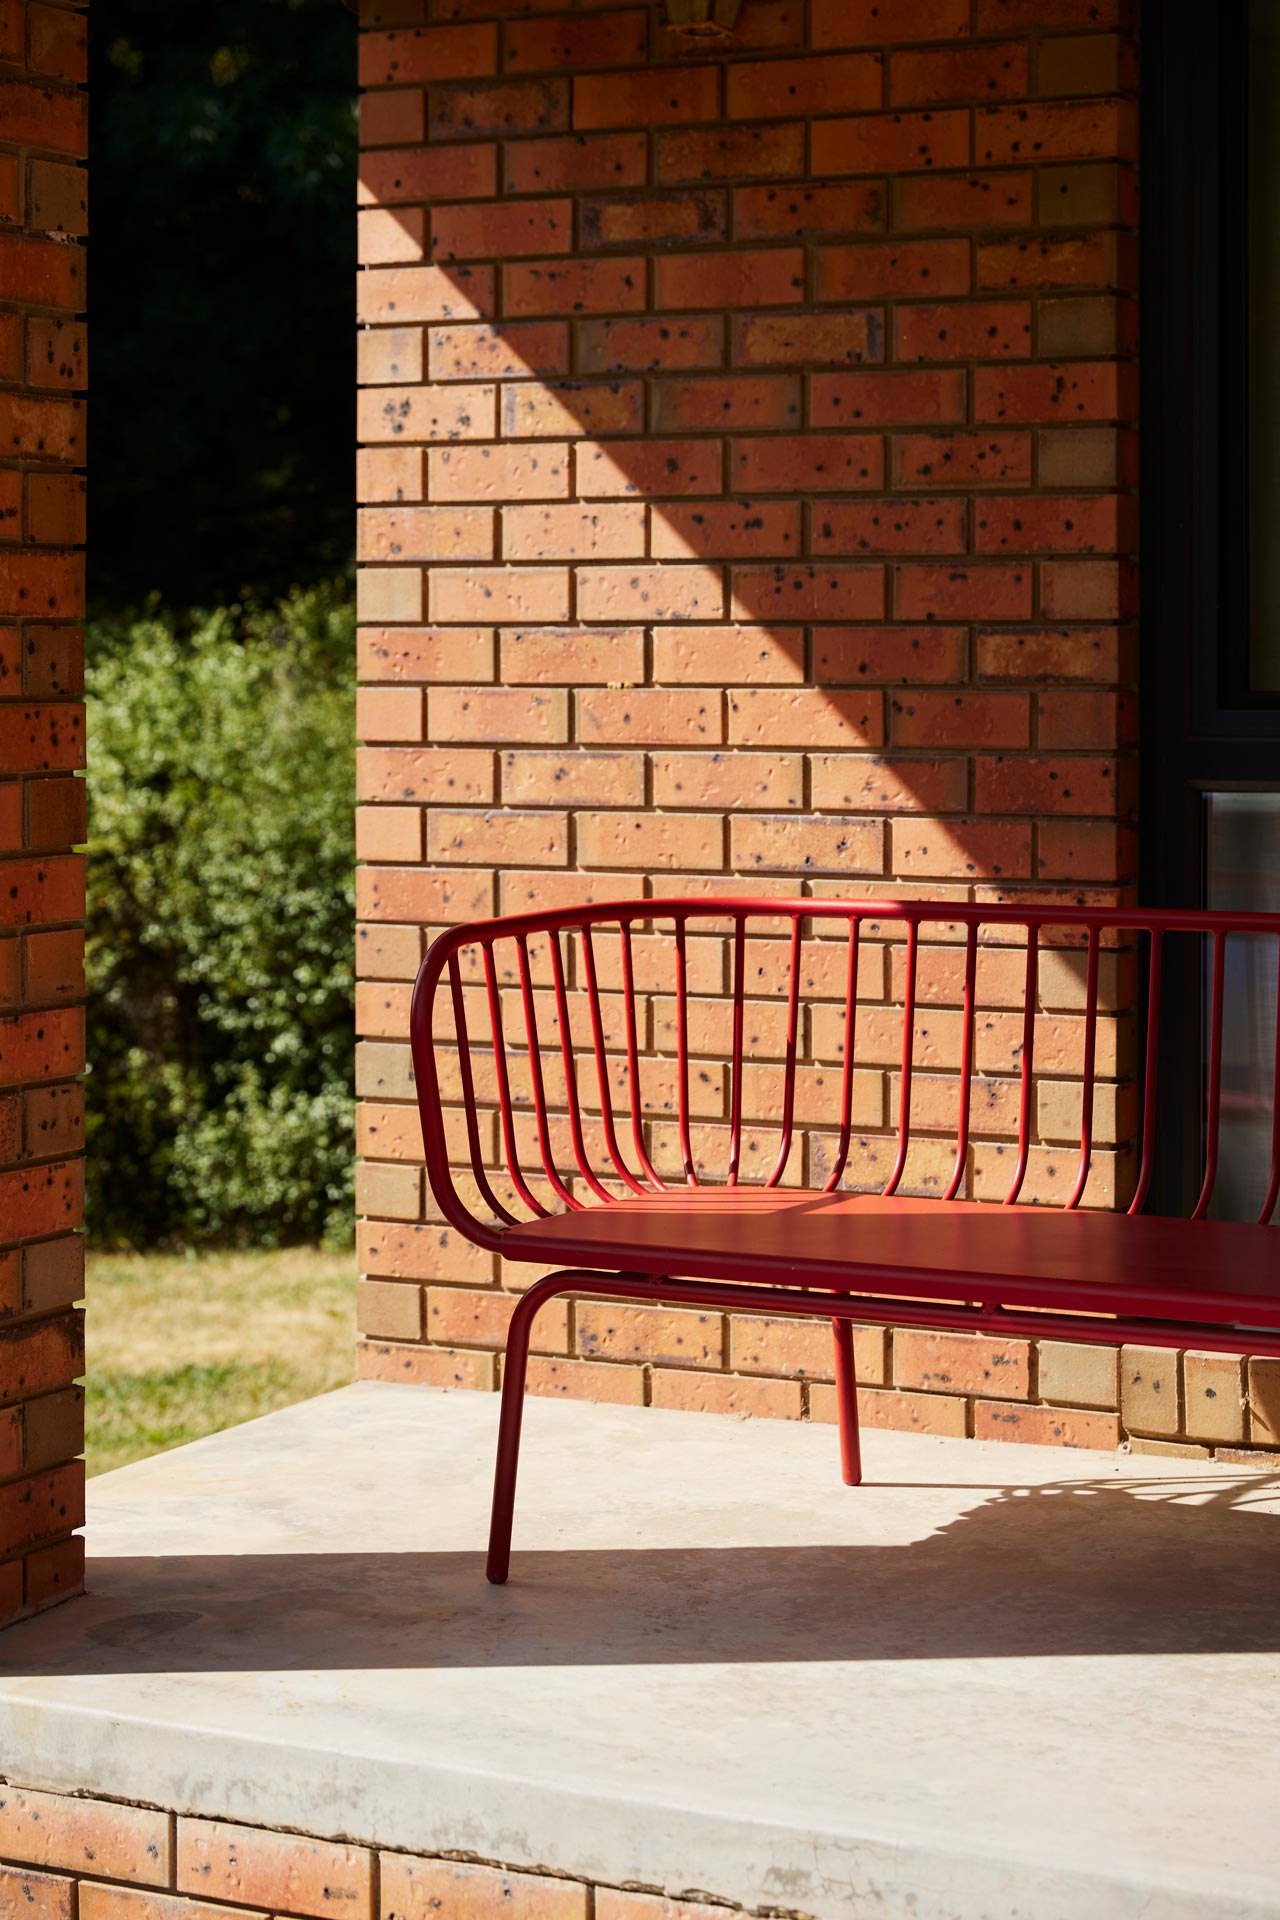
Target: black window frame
{"type": "Point", "coordinates": [1200, 730]}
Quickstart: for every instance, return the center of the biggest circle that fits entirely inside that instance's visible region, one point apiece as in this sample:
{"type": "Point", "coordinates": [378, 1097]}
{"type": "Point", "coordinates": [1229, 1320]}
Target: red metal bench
{"type": "Point", "coordinates": [542, 1031]}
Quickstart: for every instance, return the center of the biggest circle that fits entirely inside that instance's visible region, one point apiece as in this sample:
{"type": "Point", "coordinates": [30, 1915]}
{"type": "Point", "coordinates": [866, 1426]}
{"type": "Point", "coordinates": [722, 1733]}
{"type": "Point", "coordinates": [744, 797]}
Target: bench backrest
{"type": "Point", "coordinates": [1006, 1052]}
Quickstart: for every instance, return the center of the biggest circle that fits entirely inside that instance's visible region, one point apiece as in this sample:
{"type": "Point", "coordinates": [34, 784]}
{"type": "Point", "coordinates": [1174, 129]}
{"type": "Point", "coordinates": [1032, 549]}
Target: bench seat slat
{"type": "Point", "coordinates": [1210, 1272]}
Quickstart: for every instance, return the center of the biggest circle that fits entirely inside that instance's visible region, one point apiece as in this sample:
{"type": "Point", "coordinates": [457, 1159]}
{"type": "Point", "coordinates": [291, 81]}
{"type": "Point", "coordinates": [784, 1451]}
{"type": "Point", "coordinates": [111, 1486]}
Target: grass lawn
{"type": "Point", "coordinates": [183, 1344]}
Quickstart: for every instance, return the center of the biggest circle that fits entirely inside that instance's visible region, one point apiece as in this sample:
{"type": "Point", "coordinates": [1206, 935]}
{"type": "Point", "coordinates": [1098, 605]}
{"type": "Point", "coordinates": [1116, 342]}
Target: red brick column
{"type": "Point", "coordinates": [748, 471]}
{"type": "Point", "coordinates": [42, 814]}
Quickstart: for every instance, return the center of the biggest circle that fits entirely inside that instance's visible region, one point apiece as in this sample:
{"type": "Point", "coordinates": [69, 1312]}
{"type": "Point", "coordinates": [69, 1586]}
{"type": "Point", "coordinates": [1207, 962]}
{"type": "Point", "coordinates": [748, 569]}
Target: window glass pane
{"type": "Point", "coordinates": [1243, 840]}
{"type": "Point", "coordinates": [1263, 247]}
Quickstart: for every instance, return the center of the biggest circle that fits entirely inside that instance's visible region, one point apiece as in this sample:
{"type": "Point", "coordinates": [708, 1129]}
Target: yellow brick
{"type": "Point", "coordinates": [389, 1309]}
{"type": "Point", "coordinates": [1214, 1387]}
{"type": "Point", "coordinates": [1079, 1375]}
{"type": "Point", "coordinates": [1170, 1449]}
{"type": "Point", "coordinates": [1149, 1390]}
{"type": "Point", "coordinates": [1264, 1402]}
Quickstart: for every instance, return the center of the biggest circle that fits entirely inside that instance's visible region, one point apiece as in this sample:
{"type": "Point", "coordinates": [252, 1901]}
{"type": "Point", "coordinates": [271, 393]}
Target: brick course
{"type": "Point", "coordinates": [63, 1857]}
{"type": "Point", "coordinates": [748, 458]}
{"type": "Point", "coordinates": [42, 813]}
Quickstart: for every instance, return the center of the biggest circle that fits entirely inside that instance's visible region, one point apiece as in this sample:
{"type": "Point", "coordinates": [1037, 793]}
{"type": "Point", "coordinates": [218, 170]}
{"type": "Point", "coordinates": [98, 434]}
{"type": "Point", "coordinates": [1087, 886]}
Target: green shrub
{"type": "Point", "coordinates": [221, 910]}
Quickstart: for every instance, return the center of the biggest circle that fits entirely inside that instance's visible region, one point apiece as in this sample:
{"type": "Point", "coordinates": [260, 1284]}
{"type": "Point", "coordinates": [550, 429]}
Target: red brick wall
{"type": "Point", "coordinates": [64, 1858]}
{"type": "Point", "coordinates": [42, 216]}
{"type": "Point", "coordinates": [748, 466]}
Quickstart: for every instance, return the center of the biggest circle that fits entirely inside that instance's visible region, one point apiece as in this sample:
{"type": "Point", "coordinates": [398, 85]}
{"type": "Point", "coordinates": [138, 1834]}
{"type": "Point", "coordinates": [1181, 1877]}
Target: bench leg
{"type": "Point", "coordinates": [514, 1369]}
{"type": "Point", "coordinates": [510, 1414]}
{"type": "Point", "coordinates": [847, 1404]}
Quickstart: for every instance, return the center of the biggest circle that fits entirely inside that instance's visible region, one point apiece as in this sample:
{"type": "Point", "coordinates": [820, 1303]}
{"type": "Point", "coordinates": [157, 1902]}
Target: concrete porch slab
{"type": "Point", "coordinates": [996, 1681]}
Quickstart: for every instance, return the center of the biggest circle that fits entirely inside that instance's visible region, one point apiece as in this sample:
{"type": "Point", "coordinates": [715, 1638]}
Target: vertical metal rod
{"type": "Point", "coordinates": [504, 1087]}
{"type": "Point", "coordinates": [682, 1052]}
{"type": "Point", "coordinates": [966, 1061]}
{"type": "Point", "coordinates": [735, 1084]}
{"type": "Point", "coordinates": [847, 1404]}
{"type": "Point", "coordinates": [633, 1057]}
{"type": "Point", "coordinates": [602, 1066]}
{"type": "Point", "coordinates": [1150, 1075]}
{"type": "Point", "coordinates": [908, 1050]}
{"type": "Point", "coordinates": [1086, 1085]}
{"type": "Point", "coordinates": [1028, 1059]}
{"type": "Point", "coordinates": [846, 1077]}
{"type": "Point", "coordinates": [1273, 1189]}
{"type": "Point", "coordinates": [1214, 1103]}
{"type": "Point", "coordinates": [469, 1095]}
{"type": "Point", "coordinates": [580, 1153]}
{"type": "Point", "coordinates": [789, 1067]}
{"type": "Point", "coordinates": [545, 1148]}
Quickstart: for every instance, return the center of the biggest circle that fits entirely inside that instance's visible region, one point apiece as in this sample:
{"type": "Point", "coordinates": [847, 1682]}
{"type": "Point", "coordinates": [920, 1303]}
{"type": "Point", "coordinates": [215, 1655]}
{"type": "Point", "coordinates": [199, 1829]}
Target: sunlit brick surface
{"type": "Point", "coordinates": [42, 810]}
{"type": "Point", "coordinates": [748, 466]}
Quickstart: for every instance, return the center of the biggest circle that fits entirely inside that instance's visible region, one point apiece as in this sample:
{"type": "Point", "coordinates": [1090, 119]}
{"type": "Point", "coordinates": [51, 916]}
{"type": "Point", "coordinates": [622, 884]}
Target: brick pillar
{"type": "Point", "coordinates": [747, 466]}
{"type": "Point", "coordinates": [42, 811]}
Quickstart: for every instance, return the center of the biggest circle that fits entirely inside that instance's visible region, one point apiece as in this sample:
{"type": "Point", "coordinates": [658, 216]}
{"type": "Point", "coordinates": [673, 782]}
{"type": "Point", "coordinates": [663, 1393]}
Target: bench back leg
{"type": "Point", "coordinates": [847, 1404]}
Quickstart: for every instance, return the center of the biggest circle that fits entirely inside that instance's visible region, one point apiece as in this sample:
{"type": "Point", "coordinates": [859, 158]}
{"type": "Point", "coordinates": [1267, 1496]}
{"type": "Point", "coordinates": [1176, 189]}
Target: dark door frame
{"type": "Point", "coordinates": [1196, 732]}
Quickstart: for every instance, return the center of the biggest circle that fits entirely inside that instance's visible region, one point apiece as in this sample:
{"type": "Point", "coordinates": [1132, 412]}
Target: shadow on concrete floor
{"type": "Point", "coordinates": [1075, 1567]}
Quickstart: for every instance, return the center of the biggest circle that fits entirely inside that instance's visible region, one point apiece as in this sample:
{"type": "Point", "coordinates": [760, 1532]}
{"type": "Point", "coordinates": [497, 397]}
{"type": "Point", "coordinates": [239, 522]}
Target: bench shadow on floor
{"type": "Point", "coordinates": [1076, 1567]}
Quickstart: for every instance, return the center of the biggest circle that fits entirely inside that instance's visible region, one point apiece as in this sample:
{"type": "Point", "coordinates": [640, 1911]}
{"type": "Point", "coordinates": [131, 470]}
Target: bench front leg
{"type": "Point", "coordinates": [847, 1404]}
{"type": "Point", "coordinates": [515, 1368]}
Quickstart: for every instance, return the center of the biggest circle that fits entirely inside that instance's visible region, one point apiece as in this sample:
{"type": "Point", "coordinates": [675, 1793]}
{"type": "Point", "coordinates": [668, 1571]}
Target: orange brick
{"type": "Point", "coordinates": [650, 593]}
{"type": "Point", "coordinates": [39, 1896]}
{"type": "Point", "coordinates": [674, 1336]}
{"type": "Point", "coordinates": [499, 473]}
{"type": "Point", "coordinates": [77, 1836]}
{"type": "Point", "coordinates": [416, 1889]}
{"type": "Point", "coordinates": [891, 143]}
{"type": "Point", "coordinates": [460, 1316]}
{"type": "Point", "coordinates": [1085, 130]}
{"type": "Point", "coordinates": [407, 1365]}
{"type": "Point", "coordinates": [571, 407]}
{"type": "Point", "coordinates": [649, 716]}
{"type": "Point", "coordinates": [580, 656]}
{"type": "Point", "coordinates": [565, 165]}
{"type": "Point", "coordinates": [745, 655]}
{"type": "Point", "coordinates": [423, 654]}
{"type": "Point", "coordinates": [769, 152]}
{"type": "Point", "coordinates": [726, 1393]}
{"type": "Point", "coordinates": [746, 780]}
{"type": "Point", "coordinates": [1044, 1426]}
{"type": "Point", "coordinates": [651, 841]}
{"type": "Point", "coordinates": [961, 1363]}
{"type": "Point", "coordinates": [501, 838]}
{"type": "Point", "coordinates": [573, 533]}
{"type": "Point", "coordinates": [849, 206]}
{"type": "Point", "coordinates": [650, 468]}
{"type": "Point", "coordinates": [136, 1903]}
{"type": "Point", "coordinates": [747, 278]}
{"type": "Point", "coordinates": [573, 286]}
{"type": "Point", "coordinates": [805, 717]}
{"type": "Point", "coordinates": [664, 98]}
{"type": "Point", "coordinates": [425, 533]}
{"type": "Point", "coordinates": [805, 844]}
{"type": "Point", "coordinates": [800, 1348]}
{"type": "Point", "coordinates": [962, 200]}
{"type": "Point", "coordinates": [652, 219]}
{"type": "Point", "coordinates": [587, 1380]}
{"type": "Point", "coordinates": [499, 593]}
{"type": "Point", "coordinates": [999, 72]}
{"type": "Point", "coordinates": [899, 1412]}
{"type": "Point", "coordinates": [854, 23]}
